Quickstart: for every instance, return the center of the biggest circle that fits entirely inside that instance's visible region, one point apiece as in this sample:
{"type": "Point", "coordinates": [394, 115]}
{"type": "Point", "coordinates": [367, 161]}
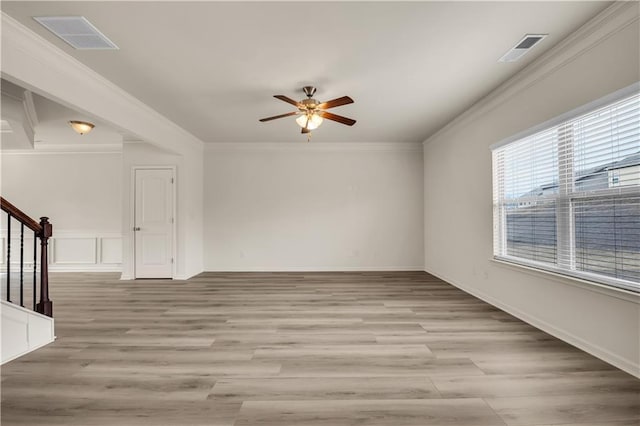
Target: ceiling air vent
{"type": "Point", "coordinates": [77, 31]}
{"type": "Point", "coordinates": [522, 47]}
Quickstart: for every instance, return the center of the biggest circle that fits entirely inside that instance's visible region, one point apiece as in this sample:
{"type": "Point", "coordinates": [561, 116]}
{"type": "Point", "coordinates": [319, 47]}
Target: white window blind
{"type": "Point", "coordinates": [567, 198]}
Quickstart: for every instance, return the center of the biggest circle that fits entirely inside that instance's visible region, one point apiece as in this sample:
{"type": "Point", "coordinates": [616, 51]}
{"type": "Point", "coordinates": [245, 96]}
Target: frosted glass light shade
{"type": "Point", "coordinates": [81, 127]}
{"type": "Point", "coordinates": [314, 121]}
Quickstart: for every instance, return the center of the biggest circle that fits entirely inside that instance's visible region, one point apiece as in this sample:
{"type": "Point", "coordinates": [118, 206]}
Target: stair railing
{"type": "Point", "coordinates": [41, 231]}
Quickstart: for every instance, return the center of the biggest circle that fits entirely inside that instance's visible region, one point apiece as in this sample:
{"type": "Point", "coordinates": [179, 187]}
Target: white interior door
{"type": "Point", "coordinates": [153, 224]}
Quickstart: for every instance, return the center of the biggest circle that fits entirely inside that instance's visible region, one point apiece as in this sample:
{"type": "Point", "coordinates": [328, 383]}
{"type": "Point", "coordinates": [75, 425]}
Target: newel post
{"type": "Point", "coordinates": [45, 306]}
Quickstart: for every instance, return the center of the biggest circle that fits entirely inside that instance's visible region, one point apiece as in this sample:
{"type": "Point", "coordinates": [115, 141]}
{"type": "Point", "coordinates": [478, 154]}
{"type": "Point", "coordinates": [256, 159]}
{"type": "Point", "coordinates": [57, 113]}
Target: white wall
{"type": "Point", "coordinates": [313, 206]}
{"type": "Point", "coordinates": [188, 205]}
{"type": "Point", "coordinates": [458, 193]}
{"type": "Point", "coordinates": [81, 195]}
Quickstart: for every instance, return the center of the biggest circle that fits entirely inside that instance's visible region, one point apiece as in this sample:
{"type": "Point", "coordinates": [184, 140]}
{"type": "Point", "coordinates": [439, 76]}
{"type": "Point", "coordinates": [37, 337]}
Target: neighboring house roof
{"type": "Point", "coordinates": [629, 161]}
{"type": "Point", "coordinates": [539, 190]}
{"type": "Point", "coordinates": [632, 160]}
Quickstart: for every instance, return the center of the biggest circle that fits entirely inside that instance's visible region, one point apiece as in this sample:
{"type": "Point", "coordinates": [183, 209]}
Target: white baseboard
{"type": "Point", "coordinates": [607, 356]}
{"type": "Point", "coordinates": [185, 277]}
{"type": "Point", "coordinates": [317, 269]}
{"type": "Point", "coordinates": [128, 277]}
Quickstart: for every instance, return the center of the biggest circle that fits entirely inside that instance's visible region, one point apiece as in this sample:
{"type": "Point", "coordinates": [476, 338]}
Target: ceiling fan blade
{"type": "Point", "coordinates": [288, 100]}
{"type": "Point", "coordinates": [305, 130]}
{"type": "Point", "coordinates": [279, 116]}
{"type": "Point", "coordinates": [338, 118]}
{"type": "Point", "coordinates": [335, 103]}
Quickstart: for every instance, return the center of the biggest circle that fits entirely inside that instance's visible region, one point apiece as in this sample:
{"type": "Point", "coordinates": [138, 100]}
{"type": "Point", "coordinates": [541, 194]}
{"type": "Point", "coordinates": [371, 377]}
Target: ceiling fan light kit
{"type": "Point", "coordinates": [310, 121]}
{"type": "Point", "coordinates": [312, 113]}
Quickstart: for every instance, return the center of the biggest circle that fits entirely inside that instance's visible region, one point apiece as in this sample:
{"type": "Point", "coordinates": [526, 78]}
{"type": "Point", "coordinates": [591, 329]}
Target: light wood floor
{"type": "Point", "coordinates": [329, 349]}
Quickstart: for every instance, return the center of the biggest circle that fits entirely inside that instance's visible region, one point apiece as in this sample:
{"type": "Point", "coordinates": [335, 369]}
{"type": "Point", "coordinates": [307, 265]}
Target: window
{"type": "Point", "coordinates": [566, 196]}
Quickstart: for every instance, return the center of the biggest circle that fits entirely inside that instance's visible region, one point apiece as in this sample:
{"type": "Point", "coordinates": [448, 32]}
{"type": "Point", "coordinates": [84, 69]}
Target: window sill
{"type": "Point", "coordinates": [610, 291]}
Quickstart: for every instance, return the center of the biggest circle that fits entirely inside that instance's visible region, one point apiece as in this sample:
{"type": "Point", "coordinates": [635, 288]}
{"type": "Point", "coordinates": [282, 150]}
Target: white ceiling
{"type": "Point", "coordinates": [212, 67]}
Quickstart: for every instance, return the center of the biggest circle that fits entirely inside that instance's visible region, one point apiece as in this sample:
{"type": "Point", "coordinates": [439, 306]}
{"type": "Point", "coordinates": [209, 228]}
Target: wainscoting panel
{"type": "Point", "coordinates": [71, 251]}
{"type": "Point", "coordinates": [110, 250]}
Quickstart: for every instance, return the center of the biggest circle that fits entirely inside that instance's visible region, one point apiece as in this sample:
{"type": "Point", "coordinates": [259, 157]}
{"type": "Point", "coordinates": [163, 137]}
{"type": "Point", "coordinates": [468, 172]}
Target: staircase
{"type": "Point", "coordinates": [26, 310]}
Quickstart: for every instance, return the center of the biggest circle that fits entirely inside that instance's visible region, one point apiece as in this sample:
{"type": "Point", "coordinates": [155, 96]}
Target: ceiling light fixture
{"type": "Point", "coordinates": [311, 112]}
{"type": "Point", "coordinates": [309, 121]}
{"type": "Point", "coordinates": [81, 127]}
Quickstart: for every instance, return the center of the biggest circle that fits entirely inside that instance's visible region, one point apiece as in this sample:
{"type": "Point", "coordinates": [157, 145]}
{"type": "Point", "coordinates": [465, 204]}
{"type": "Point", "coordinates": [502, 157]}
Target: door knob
{"type": "Point", "coordinates": [137, 228]}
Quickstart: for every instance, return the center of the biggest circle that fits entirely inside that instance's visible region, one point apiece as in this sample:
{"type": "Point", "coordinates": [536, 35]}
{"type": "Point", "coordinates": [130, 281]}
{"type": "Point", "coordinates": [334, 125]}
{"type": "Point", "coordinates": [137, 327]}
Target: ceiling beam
{"type": "Point", "coordinates": [37, 65]}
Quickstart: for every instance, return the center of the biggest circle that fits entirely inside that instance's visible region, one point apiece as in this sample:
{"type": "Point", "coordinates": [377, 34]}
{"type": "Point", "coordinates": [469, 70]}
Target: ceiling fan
{"type": "Point", "coordinates": [311, 112]}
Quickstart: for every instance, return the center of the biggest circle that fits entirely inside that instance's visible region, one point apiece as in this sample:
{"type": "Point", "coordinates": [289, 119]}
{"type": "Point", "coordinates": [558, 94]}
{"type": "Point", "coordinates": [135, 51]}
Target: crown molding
{"type": "Point", "coordinates": [37, 65]}
{"type": "Point", "coordinates": [604, 25]}
{"type": "Point", "coordinates": [314, 147]}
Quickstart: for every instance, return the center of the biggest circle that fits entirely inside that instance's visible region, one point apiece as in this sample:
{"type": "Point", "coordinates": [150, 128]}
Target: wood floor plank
{"type": "Point", "coordinates": [321, 388]}
{"type": "Point", "coordinates": [133, 412]}
{"type": "Point", "coordinates": [555, 362]}
{"type": "Point", "coordinates": [320, 366]}
{"type": "Point", "coordinates": [557, 409]}
{"type": "Point", "coordinates": [440, 412]}
{"type": "Point", "coordinates": [212, 368]}
{"type": "Point", "coordinates": [606, 423]}
{"type": "Point", "coordinates": [536, 384]}
{"type": "Point", "coordinates": [256, 340]}
{"type": "Point", "coordinates": [344, 351]}
{"type": "Point", "coordinates": [171, 388]}
{"type": "Point", "coordinates": [302, 349]}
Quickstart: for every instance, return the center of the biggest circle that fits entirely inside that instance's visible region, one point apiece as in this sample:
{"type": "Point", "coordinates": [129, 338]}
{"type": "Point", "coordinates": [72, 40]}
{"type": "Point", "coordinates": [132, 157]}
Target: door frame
{"type": "Point", "coordinates": [132, 204]}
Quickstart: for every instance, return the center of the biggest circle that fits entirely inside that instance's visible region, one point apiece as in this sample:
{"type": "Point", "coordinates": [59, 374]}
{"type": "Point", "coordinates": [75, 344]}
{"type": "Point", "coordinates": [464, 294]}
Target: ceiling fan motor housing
{"type": "Point", "coordinates": [309, 104]}
{"type": "Point", "coordinates": [309, 91]}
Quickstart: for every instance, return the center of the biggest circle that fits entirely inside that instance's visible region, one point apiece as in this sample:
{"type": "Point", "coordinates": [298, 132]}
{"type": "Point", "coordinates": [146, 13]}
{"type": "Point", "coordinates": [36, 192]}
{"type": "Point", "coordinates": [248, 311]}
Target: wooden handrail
{"type": "Point", "coordinates": [43, 232]}
{"type": "Point", "coordinates": [20, 216]}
